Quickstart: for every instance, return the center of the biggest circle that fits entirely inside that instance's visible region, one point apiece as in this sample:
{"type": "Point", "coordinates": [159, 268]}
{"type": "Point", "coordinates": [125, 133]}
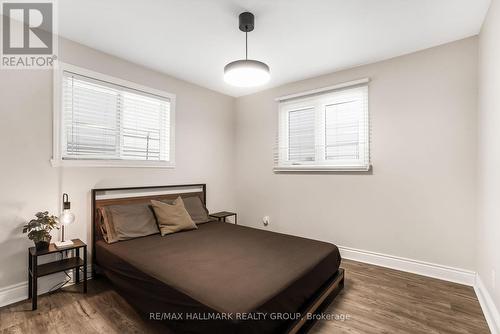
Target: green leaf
{"type": "Point", "coordinates": [40, 227]}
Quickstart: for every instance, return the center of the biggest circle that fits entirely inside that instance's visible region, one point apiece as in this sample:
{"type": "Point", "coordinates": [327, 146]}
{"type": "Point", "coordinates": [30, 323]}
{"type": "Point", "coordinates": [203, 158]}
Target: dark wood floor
{"type": "Point", "coordinates": [375, 300]}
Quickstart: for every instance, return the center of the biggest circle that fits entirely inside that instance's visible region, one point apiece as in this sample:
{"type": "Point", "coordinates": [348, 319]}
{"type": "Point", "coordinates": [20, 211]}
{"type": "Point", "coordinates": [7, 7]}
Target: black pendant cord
{"type": "Point", "coordinates": [246, 45]}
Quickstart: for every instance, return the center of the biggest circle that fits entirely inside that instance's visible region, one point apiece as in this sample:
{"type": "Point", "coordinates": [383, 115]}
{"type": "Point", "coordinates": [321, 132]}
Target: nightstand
{"type": "Point", "coordinates": [221, 216]}
{"type": "Point", "coordinates": [36, 270]}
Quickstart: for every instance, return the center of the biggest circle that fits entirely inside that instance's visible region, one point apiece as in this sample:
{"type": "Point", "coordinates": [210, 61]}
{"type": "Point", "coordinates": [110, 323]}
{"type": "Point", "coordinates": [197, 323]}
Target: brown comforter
{"type": "Point", "coordinates": [220, 278]}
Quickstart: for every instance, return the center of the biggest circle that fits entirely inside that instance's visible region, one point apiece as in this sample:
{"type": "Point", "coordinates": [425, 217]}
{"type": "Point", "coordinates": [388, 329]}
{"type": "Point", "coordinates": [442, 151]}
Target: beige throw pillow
{"type": "Point", "coordinates": [172, 217]}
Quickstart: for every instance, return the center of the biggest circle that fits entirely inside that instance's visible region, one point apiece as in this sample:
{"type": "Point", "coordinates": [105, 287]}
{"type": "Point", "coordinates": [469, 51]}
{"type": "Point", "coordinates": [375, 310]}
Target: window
{"type": "Point", "coordinates": [104, 121]}
{"type": "Point", "coordinates": [326, 129]}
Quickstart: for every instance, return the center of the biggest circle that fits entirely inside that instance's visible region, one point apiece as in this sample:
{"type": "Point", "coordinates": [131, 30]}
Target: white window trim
{"type": "Point", "coordinates": [58, 161]}
{"type": "Point", "coordinates": [348, 84]}
{"type": "Point", "coordinates": [306, 99]}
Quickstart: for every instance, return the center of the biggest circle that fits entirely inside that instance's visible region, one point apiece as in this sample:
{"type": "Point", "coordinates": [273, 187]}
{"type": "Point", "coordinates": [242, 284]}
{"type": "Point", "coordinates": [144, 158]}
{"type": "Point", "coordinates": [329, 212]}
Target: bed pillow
{"type": "Point", "coordinates": [173, 217]}
{"type": "Point", "coordinates": [196, 209]}
{"type": "Point", "coordinates": [106, 227]}
{"type": "Point", "coordinates": [123, 222]}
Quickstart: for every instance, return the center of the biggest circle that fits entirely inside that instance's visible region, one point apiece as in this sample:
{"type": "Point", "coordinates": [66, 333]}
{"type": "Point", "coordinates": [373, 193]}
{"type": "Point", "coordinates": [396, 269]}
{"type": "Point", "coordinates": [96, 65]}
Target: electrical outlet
{"type": "Point", "coordinates": [493, 278]}
{"type": "Point", "coordinates": [266, 220]}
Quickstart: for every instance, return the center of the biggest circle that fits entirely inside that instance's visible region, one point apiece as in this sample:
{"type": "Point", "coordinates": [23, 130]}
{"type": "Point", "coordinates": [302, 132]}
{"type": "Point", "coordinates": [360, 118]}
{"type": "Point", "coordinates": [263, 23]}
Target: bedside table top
{"type": "Point", "coordinates": [77, 243]}
{"type": "Point", "coordinates": [222, 214]}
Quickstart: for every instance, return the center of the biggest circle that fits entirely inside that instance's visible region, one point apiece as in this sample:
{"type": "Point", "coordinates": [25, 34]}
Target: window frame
{"type": "Point", "coordinates": [58, 122]}
{"type": "Point", "coordinates": [319, 99]}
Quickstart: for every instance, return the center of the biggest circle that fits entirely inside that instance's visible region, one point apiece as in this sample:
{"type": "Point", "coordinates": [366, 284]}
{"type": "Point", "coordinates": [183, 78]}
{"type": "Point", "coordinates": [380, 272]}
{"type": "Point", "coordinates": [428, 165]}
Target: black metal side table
{"type": "Point", "coordinates": [221, 216]}
{"type": "Point", "coordinates": [36, 270]}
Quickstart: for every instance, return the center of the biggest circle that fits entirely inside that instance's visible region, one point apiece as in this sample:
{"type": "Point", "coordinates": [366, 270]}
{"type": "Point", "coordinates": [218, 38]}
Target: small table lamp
{"type": "Point", "coordinates": [67, 217]}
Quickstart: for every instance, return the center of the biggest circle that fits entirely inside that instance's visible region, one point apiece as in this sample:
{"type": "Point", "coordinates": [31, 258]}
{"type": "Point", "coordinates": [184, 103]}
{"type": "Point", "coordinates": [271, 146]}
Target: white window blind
{"type": "Point", "coordinates": [324, 131]}
{"type": "Point", "coordinates": [107, 121]}
{"type": "Point", "coordinates": [301, 134]}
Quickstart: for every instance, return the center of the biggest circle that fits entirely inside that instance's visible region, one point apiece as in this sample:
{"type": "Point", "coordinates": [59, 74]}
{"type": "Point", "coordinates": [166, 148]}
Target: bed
{"type": "Point", "coordinates": [219, 278]}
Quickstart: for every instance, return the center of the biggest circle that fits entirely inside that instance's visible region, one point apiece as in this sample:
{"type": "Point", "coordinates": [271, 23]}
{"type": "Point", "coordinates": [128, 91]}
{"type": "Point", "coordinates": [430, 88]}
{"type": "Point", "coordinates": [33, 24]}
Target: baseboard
{"type": "Point", "coordinates": [19, 291]}
{"type": "Point", "coordinates": [438, 271]}
{"type": "Point", "coordinates": [487, 304]}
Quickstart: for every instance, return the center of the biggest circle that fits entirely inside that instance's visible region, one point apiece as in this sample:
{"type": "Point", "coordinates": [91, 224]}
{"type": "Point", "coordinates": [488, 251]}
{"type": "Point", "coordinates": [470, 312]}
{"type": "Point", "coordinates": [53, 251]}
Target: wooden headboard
{"type": "Point", "coordinates": [134, 195]}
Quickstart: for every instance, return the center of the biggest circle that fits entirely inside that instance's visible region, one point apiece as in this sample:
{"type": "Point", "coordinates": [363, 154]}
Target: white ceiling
{"type": "Point", "coordinates": [194, 39]}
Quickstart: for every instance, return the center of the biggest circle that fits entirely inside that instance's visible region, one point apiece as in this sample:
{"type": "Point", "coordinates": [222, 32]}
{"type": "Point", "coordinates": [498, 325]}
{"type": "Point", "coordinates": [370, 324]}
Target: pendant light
{"type": "Point", "coordinates": [246, 72]}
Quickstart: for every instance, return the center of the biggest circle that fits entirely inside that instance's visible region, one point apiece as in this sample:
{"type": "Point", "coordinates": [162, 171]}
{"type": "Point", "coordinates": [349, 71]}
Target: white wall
{"type": "Point", "coordinates": [419, 202]}
{"type": "Point", "coordinates": [204, 151]}
{"type": "Point", "coordinates": [488, 241]}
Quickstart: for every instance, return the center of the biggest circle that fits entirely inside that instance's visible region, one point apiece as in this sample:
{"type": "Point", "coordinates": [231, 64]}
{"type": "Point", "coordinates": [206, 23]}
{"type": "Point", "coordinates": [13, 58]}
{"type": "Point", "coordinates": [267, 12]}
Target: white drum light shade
{"type": "Point", "coordinates": [246, 73]}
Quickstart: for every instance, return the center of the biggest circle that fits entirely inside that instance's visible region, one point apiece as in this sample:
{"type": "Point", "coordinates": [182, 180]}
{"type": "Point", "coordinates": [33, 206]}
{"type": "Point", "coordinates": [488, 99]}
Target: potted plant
{"type": "Point", "coordinates": [39, 229]}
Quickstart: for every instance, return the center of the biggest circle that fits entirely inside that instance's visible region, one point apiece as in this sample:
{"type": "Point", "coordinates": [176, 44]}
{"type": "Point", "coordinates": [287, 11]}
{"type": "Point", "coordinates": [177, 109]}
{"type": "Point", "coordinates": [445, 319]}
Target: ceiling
{"type": "Point", "coordinates": [298, 39]}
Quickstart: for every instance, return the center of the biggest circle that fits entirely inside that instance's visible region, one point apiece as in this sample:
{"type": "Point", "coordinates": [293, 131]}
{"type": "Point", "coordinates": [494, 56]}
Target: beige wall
{"type": "Point", "coordinates": [420, 200]}
{"type": "Point", "coordinates": [204, 151]}
{"type": "Point", "coordinates": [488, 242]}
